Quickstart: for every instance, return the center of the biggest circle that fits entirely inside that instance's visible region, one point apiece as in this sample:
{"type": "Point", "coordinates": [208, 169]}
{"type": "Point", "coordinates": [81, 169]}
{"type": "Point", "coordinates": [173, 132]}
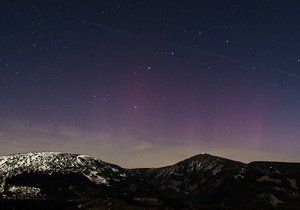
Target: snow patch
{"type": "Point", "coordinates": [293, 183]}
{"type": "Point", "coordinates": [3, 160]}
{"type": "Point", "coordinates": [115, 170]}
{"type": "Point", "coordinates": [268, 179]}
{"type": "Point", "coordinates": [123, 175]}
{"type": "Point", "coordinates": [271, 198]}
{"type": "Point", "coordinates": [175, 185]}
{"type": "Point", "coordinates": [279, 189]}
{"type": "Point", "coordinates": [24, 190]}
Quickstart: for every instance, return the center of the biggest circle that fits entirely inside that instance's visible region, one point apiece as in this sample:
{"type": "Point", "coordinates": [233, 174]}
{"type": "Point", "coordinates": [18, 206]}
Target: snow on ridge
{"type": "Point", "coordinates": [25, 190]}
{"type": "Point", "coordinates": [3, 160]}
{"type": "Point", "coordinates": [49, 162]}
{"type": "Point", "coordinates": [293, 183]}
{"type": "Point", "coordinates": [266, 178]}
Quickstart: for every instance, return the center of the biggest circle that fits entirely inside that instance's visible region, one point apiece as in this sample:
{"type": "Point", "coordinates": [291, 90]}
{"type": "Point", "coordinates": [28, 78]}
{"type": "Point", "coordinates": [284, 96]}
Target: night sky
{"type": "Point", "coordinates": [149, 83]}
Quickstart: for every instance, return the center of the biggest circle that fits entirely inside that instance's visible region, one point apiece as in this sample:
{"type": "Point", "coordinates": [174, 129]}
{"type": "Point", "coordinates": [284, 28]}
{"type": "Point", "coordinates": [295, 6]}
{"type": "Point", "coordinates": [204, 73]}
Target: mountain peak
{"type": "Point", "coordinates": [48, 163]}
{"type": "Point", "coordinates": [208, 157]}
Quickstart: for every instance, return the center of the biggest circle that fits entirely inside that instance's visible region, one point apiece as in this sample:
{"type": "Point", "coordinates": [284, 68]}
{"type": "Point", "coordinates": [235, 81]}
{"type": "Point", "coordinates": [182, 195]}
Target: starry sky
{"type": "Point", "coordinates": [148, 83]}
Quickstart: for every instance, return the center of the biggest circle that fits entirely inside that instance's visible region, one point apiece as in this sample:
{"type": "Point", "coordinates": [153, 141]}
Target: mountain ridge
{"type": "Point", "coordinates": [199, 181]}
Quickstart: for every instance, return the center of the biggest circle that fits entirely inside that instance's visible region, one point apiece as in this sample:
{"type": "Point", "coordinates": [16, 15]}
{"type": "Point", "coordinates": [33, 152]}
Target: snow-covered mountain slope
{"type": "Point", "coordinates": [97, 171]}
{"type": "Point", "coordinates": [207, 179]}
{"type": "Point", "coordinates": [200, 181]}
{"type": "Point", "coordinates": [209, 164]}
{"type": "Point", "coordinates": [191, 176]}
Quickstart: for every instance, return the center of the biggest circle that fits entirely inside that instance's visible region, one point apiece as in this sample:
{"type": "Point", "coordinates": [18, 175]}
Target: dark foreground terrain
{"type": "Point", "coordinates": [50, 180]}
